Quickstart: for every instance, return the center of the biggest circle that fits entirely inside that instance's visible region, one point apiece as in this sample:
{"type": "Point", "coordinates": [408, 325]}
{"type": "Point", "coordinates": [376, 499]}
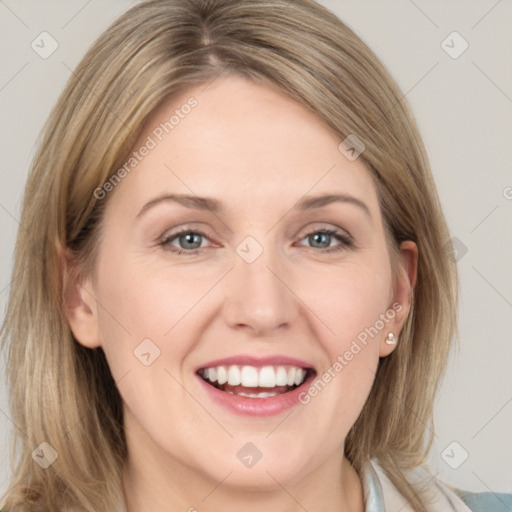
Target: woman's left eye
{"type": "Point", "coordinates": [322, 235]}
{"type": "Point", "coordinates": [190, 241]}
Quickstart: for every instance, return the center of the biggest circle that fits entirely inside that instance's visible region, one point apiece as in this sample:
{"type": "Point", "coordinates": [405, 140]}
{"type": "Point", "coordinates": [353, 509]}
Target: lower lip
{"type": "Point", "coordinates": [269, 406]}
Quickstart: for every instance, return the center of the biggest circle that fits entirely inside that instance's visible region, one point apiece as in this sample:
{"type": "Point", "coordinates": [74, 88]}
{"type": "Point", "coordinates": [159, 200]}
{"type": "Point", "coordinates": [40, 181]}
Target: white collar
{"type": "Point", "coordinates": [382, 496]}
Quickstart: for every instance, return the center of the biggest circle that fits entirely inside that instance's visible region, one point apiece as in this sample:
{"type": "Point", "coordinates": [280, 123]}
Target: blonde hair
{"type": "Point", "coordinates": [63, 393]}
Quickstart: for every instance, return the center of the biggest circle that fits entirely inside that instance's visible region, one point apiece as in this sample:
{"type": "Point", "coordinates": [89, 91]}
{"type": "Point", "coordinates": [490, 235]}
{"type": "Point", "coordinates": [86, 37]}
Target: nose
{"type": "Point", "coordinates": [259, 297]}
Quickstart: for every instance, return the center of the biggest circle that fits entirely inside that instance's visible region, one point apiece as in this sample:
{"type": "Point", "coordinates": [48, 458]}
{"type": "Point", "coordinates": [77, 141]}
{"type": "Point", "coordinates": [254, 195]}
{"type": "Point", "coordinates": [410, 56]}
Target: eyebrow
{"type": "Point", "coordinates": [215, 206]}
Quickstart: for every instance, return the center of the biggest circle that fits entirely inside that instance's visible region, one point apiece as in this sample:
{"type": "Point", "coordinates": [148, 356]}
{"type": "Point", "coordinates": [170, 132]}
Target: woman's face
{"type": "Point", "coordinates": [272, 286]}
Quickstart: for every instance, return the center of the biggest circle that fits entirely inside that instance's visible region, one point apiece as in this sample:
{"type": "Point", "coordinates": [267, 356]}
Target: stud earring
{"type": "Point", "coordinates": [391, 339]}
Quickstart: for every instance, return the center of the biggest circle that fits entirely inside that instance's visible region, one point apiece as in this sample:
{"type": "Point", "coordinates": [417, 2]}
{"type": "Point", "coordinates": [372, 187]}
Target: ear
{"type": "Point", "coordinates": [79, 305]}
{"type": "Point", "coordinates": [403, 294]}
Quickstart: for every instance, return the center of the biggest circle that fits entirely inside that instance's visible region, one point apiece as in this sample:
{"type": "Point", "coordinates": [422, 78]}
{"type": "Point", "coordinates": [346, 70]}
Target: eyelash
{"type": "Point", "coordinates": [346, 241]}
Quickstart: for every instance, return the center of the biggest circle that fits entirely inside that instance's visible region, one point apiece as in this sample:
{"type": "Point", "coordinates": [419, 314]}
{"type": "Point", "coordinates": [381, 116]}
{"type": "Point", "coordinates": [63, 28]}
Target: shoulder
{"type": "Point", "coordinates": [485, 501]}
{"type": "Point", "coordinates": [442, 495]}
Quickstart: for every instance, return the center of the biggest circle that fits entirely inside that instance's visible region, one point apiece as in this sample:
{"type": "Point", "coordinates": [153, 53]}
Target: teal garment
{"type": "Point", "coordinates": [486, 501]}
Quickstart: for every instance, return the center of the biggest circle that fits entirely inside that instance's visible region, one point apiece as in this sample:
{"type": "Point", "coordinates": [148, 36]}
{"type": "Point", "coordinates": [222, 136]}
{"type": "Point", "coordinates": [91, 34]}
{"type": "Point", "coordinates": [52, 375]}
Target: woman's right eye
{"type": "Point", "coordinates": [185, 237]}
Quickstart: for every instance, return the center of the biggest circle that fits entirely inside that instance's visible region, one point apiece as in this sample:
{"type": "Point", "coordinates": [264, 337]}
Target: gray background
{"type": "Point", "coordinates": [463, 106]}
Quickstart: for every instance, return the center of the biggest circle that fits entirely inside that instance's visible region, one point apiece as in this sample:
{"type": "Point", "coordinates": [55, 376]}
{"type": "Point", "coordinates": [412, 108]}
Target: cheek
{"type": "Point", "coordinates": [350, 301]}
{"type": "Point", "coordinates": [144, 300]}
{"type": "Point", "coordinates": [348, 298]}
{"type": "Point", "coordinates": [137, 312]}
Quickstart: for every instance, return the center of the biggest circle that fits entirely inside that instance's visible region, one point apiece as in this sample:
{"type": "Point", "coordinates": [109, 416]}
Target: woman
{"type": "Point", "coordinates": [255, 367]}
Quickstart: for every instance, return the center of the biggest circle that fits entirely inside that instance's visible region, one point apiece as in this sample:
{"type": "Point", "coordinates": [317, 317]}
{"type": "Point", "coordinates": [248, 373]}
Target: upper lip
{"type": "Point", "coordinates": [258, 362]}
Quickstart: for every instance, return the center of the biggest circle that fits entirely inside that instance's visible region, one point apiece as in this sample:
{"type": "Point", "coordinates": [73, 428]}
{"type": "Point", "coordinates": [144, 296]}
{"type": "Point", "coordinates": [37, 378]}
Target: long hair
{"type": "Point", "coordinates": [62, 393]}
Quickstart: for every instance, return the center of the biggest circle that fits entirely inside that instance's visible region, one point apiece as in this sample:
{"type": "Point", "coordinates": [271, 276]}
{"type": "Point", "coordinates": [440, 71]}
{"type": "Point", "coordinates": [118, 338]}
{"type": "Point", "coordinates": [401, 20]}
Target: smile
{"type": "Point", "coordinates": [255, 386]}
{"type": "Point", "coordinates": [254, 382]}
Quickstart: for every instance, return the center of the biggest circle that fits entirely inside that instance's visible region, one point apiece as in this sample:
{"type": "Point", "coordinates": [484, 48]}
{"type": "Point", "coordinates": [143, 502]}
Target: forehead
{"type": "Point", "coordinates": [243, 143]}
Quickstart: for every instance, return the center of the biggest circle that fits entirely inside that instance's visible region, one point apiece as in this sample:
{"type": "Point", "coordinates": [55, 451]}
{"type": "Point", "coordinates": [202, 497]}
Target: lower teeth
{"type": "Point", "coordinates": [253, 395]}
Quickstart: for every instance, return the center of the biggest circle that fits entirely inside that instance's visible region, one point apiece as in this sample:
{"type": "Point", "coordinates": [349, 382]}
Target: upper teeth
{"type": "Point", "coordinates": [253, 377]}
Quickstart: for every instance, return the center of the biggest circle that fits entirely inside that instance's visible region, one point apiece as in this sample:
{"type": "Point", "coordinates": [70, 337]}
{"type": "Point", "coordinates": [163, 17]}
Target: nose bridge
{"type": "Point", "coordinates": [257, 296]}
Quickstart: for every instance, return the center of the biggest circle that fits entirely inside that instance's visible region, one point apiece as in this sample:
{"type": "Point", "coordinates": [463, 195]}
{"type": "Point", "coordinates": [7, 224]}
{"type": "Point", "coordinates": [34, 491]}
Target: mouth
{"type": "Point", "coordinates": [256, 382]}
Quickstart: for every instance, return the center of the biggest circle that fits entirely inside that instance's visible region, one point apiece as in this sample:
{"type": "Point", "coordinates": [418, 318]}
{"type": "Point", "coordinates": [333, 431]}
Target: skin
{"type": "Point", "coordinates": [259, 153]}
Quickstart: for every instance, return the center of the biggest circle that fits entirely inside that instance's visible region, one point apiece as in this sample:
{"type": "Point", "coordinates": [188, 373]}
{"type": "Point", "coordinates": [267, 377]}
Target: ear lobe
{"type": "Point", "coordinates": [402, 299]}
{"type": "Point", "coordinates": [79, 305]}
